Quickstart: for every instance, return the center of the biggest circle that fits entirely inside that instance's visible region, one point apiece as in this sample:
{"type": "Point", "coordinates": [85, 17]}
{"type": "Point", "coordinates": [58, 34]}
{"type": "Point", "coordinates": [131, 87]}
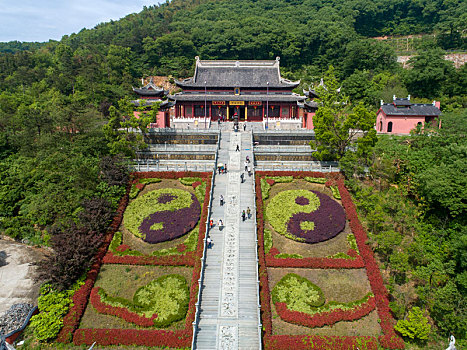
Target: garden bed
{"type": "Point", "coordinates": [124, 281]}
{"type": "Point", "coordinates": [127, 297]}
{"type": "Point", "coordinates": [328, 254]}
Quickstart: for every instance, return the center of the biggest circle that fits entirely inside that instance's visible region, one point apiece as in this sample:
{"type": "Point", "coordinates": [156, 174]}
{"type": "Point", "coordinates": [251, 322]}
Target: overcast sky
{"type": "Point", "coordinates": [41, 20]}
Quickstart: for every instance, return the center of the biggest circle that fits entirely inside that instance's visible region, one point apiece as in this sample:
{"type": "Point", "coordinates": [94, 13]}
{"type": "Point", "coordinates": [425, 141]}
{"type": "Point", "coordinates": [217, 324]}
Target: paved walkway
{"type": "Point", "coordinates": [229, 317]}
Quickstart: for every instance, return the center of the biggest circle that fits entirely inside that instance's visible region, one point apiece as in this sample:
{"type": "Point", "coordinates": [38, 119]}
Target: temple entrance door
{"type": "Point", "coordinates": [218, 111]}
{"type": "Point", "coordinates": [240, 110]}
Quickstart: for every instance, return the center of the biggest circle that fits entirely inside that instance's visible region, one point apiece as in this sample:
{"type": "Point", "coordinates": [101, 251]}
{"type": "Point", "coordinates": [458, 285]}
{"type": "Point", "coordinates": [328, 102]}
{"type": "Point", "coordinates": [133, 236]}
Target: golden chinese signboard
{"type": "Point", "coordinates": [237, 103]}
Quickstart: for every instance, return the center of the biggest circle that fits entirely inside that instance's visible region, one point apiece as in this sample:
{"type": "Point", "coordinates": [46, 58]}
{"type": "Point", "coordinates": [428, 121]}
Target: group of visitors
{"type": "Point", "coordinates": [246, 214]}
{"type": "Point", "coordinates": [247, 167]}
{"type": "Point", "coordinates": [222, 168]}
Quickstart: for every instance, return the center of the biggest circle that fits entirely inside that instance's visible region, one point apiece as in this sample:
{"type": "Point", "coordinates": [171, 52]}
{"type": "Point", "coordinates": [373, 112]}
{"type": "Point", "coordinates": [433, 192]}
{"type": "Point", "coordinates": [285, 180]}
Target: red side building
{"type": "Point", "coordinates": [401, 116]}
{"type": "Point", "coordinates": [253, 90]}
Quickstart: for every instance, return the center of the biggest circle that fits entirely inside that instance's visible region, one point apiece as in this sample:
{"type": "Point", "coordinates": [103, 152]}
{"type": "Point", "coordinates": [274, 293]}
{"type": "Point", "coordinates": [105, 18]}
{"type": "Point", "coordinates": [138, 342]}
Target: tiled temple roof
{"type": "Point", "coordinates": [403, 107]}
{"type": "Point", "coordinates": [231, 97]}
{"type": "Point", "coordinates": [242, 74]}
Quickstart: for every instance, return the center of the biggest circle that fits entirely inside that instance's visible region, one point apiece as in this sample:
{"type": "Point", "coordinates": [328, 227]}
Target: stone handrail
{"type": "Point", "coordinates": [260, 326]}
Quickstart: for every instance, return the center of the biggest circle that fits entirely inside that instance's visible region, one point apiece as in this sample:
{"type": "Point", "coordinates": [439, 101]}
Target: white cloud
{"type": "Point", "coordinates": [41, 20]}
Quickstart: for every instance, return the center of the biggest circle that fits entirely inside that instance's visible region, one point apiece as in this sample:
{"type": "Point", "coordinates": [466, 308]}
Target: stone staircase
{"type": "Point", "coordinates": [229, 314]}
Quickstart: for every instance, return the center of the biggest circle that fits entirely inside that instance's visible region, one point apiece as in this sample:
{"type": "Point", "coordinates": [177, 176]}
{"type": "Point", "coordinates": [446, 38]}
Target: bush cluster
{"type": "Point", "coordinates": [160, 303]}
{"type": "Point", "coordinates": [316, 180]}
{"type": "Point", "coordinates": [283, 207]}
{"type": "Point", "coordinates": [188, 181]}
{"type": "Point", "coordinates": [335, 192]}
{"type": "Point", "coordinates": [305, 216]}
{"type": "Point", "coordinates": [298, 293]}
{"type": "Point", "coordinates": [160, 338]}
{"type": "Point", "coordinates": [177, 210]}
{"type": "Point", "coordinates": [53, 306]}
{"type": "Point", "coordinates": [327, 316]}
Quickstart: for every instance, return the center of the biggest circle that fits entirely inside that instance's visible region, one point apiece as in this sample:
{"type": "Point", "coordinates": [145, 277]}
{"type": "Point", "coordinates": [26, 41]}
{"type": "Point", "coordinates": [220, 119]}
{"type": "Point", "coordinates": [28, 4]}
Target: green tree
{"type": "Point", "coordinates": [340, 127]}
{"type": "Point", "coordinates": [428, 73]}
{"type": "Point", "coordinates": [370, 55]}
{"type": "Point", "coordinates": [416, 325]}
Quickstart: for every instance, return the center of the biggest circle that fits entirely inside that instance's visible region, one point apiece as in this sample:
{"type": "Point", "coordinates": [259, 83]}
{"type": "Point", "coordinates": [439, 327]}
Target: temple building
{"type": "Point", "coordinates": [147, 96]}
{"type": "Point", "coordinates": [401, 116]}
{"type": "Point", "coordinates": [244, 90]}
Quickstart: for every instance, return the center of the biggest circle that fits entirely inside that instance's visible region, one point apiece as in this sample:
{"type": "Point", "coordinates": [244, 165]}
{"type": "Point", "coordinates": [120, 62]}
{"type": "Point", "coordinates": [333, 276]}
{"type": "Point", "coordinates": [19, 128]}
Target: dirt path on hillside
{"type": "Point", "coordinates": [17, 275]}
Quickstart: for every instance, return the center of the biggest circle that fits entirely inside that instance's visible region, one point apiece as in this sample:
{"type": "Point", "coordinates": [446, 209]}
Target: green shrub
{"type": "Point", "coordinates": [340, 255]}
{"type": "Point", "coordinates": [282, 207]}
{"type": "Point", "coordinates": [352, 242]}
{"type": "Point", "coordinates": [288, 256]}
{"type": "Point", "coordinates": [267, 240]}
{"type": "Point", "coordinates": [316, 180]}
{"type": "Point", "coordinates": [303, 296]}
{"type": "Point", "coordinates": [298, 293]}
{"type": "Point", "coordinates": [200, 192]}
{"type": "Point", "coordinates": [335, 192]}
{"type": "Point", "coordinates": [415, 327]}
{"type": "Point", "coordinates": [166, 296]}
{"type": "Point", "coordinates": [265, 187]}
{"type": "Point", "coordinates": [334, 305]}
{"type": "Point", "coordinates": [281, 179]}
{"type": "Point", "coordinates": [53, 306]}
{"type": "Point", "coordinates": [188, 181]}
{"type": "Point", "coordinates": [192, 240]}
{"type": "Point", "coordinates": [116, 241]}
{"type": "Point", "coordinates": [149, 181]}
{"type": "Point", "coordinates": [134, 191]}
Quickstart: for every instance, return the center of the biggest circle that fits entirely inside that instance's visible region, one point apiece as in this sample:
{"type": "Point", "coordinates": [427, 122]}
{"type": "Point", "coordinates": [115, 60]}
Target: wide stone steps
{"type": "Point", "coordinates": [229, 295]}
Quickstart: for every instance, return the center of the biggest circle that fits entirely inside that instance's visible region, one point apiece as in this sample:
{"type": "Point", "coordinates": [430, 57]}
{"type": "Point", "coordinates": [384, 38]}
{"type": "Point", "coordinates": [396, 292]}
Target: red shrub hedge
{"type": "Point", "coordinates": [186, 259]}
{"type": "Point", "coordinates": [300, 342]}
{"type": "Point", "coordinates": [163, 338]}
{"type": "Point", "coordinates": [122, 312]}
{"type": "Point", "coordinates": [313, 263]}
{"type": "Point", "coordinates": [324, 318]}
{"type": "Point", "coordinates": [390, 339]}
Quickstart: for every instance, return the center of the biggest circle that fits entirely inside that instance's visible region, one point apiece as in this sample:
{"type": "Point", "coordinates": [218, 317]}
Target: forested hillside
{"type": "Point", "coordinates": [61, 108]}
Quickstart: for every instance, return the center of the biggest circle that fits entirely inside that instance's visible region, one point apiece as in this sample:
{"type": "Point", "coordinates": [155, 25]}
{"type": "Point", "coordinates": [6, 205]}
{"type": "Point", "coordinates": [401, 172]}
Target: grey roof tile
{"type": "Point", "coordinates": [224, 97]}
{"type": "Point", "coordinates": [412, 110]}
{"type": "Point", "coordinates": [243, 74]}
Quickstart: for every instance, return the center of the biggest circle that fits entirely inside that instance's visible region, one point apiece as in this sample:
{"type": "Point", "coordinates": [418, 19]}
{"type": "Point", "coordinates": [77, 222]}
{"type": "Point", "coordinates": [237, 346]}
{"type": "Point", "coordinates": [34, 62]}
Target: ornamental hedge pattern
{"type": "Point", "coordinates": [335, 312]}
{"type": "Point", "coordinates": [163, 338]}
{"type": "Point", "coordinates": [305, 216]}
{"type": "Point", "coordinates": [162, 215]}
{"type": "Point", "coordinates": [298, 293]}
{"type": "Point", "coordinates": [301, 302]}
{"type": "Point", "coordinates": [159, 303]}
{"type": "Point", "coordinates": [364, 258]}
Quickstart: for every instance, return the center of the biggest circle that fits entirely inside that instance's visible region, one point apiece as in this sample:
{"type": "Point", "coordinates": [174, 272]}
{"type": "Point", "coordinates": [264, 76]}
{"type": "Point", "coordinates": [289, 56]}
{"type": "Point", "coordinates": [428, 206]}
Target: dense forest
{"type": "Point", "coordinates": [62, 102]}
